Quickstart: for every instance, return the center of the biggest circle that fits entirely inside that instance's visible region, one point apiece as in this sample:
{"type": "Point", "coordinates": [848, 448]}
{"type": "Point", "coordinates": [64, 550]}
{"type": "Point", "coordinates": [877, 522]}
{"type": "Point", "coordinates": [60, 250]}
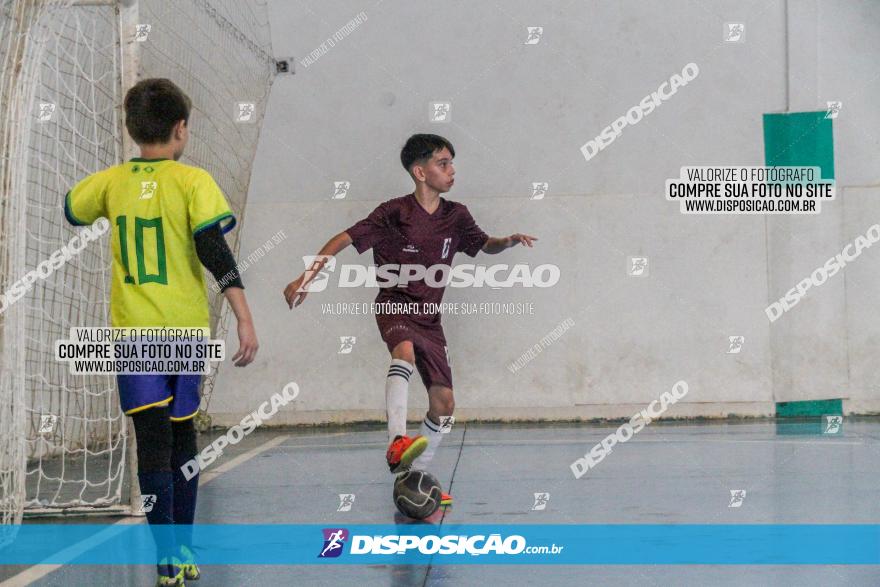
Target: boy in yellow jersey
{"type": "Point", "coordinates": [168, 220]}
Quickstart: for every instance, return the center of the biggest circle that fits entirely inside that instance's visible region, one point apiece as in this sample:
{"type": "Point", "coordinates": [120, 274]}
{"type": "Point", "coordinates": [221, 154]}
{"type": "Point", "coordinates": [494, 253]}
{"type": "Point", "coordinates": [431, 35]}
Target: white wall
{"type": "Point", "coordinates": [520, 114]}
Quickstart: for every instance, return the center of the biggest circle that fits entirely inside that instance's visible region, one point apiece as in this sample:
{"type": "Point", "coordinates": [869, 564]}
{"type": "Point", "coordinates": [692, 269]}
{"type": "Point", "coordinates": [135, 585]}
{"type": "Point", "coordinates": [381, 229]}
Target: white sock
{"type": "Point", "coordinates": [431, 431]}
{"type": "Point", "coordinates": [396, 385]}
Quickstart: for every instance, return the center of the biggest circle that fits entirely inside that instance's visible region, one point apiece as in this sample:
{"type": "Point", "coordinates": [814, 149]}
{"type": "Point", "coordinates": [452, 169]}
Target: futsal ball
{"type": "Point", "coordinates": [417, 494]}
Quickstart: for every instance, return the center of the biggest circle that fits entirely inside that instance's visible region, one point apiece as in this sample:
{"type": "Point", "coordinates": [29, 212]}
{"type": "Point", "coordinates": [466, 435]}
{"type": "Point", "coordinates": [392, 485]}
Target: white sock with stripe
{"type": "Point", "coordinates": [431, 431]}
{"type": "Point", "coordinates": [396, 386]}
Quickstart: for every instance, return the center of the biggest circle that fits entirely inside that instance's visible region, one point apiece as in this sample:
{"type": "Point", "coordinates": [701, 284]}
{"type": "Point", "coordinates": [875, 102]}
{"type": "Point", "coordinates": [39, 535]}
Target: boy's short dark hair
{"type": "Point", "coordinates": [152, 108]}
{"type": "Point", "coordinates": [419, 148]}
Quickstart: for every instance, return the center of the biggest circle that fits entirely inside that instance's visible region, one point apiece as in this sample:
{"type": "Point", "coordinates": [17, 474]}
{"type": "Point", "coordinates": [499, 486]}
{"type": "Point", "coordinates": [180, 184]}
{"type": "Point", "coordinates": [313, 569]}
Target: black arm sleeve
{"type": "Point", "coordinates": [215, 255]}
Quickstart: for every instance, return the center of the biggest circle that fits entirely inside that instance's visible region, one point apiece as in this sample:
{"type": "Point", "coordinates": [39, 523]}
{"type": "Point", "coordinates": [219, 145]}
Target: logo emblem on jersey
{"type": "Point", "coordinates": [410, 249]}
{"type": "Point", "coordinates": [148, 189]}
{"type": "Point", "coordinates": [334, 540]}
{"type": "Point", "coordinates": [446, 242]}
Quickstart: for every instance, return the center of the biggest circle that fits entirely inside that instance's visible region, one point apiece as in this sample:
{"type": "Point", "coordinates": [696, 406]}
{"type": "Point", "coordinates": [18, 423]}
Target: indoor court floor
{"type": "Point", "coordinates": [669, 473]}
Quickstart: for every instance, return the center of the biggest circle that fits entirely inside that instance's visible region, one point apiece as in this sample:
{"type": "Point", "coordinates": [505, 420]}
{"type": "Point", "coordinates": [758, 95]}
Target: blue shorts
{"type": "Point", "coordinates": [179, 392]}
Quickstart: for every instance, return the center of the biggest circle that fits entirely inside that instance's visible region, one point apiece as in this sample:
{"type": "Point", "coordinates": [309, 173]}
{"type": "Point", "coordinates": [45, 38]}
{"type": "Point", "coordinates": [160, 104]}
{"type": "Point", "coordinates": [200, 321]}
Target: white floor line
{"type": "Point", "coordinates": [36, 572]}
{"type": "Point", "coordinates": [212, 474]}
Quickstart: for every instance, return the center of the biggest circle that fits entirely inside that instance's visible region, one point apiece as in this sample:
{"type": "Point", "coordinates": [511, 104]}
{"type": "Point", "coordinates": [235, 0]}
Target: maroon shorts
{"type": "Point", "coordinates": [429, 344]}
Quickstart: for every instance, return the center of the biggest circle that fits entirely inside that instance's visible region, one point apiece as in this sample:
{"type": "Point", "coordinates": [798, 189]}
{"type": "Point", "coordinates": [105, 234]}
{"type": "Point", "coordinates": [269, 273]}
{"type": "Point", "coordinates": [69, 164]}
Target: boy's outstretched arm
{"type": "Point", "coordinates": [214, 254]}
{"type": "Point", "coordinates": [295, 292]}
{"type": "Point", "coordinates": [496, 244]}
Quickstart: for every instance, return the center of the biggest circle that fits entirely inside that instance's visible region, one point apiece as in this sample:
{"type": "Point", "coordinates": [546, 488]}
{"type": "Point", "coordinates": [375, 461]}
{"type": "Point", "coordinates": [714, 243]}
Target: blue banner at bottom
{"type": "Point", "coordinates": [609, 544]}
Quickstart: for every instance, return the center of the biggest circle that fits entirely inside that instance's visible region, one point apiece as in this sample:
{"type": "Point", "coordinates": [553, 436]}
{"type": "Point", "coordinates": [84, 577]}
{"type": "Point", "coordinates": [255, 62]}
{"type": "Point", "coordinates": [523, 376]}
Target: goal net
{"type": "Point", "coordinates": [65, 67]}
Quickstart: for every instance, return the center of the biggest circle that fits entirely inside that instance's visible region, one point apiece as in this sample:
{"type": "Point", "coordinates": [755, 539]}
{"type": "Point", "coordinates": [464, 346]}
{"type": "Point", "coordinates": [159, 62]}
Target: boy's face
{"type": "Point", "coordinates": [179, 138]}
{"type": "Point", "coordinates": [438, 172]}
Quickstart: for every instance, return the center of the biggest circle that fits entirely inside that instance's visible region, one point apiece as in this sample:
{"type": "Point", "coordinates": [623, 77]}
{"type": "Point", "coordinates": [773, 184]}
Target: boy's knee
{"type": "Point", "coordinates": [405, 352]}
{"type": "Point", "coordinates": [442, 402]}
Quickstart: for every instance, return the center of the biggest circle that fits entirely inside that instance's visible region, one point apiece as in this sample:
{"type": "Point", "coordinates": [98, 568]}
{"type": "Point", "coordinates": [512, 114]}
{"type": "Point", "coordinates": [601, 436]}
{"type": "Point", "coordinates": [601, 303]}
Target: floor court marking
{"type": "Point", "coordinates": [36, 572]}
{"type": "Point", "coordinates": [209, 476]}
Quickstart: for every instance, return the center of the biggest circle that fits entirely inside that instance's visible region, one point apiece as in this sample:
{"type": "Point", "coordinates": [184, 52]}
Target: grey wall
{"type": "Point", "coordinates": [520, 114]}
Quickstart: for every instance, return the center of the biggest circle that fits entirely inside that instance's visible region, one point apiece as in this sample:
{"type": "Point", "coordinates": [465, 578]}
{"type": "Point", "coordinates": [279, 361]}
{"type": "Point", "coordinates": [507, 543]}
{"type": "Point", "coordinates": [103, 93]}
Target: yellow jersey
{"type": "Point", "coordinates": [155, 208]}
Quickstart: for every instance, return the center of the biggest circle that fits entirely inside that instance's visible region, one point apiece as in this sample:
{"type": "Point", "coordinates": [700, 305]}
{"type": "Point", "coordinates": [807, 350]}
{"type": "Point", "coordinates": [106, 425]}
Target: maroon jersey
{"type": "Point", "coordinates": [401, 232]}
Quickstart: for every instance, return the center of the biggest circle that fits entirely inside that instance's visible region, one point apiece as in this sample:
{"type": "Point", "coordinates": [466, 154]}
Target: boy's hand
{"type": "Point", "coordinates": [247, 344]}
{"type": "Point", "coordinates": [294, 293]}
{"type": "Point", "coordinates": [521, 238]}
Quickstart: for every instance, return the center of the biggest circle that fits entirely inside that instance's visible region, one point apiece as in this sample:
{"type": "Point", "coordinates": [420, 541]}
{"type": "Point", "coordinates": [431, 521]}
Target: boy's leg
{"type": "Point", "coordinates": [184, 448]}
{"type": "Point", "coordinates": [153, 433]}
{"type": "Point", "coordinates": [402, 449]}
{"type": "Point", "coordinates": [398, 336]}
{"type": "Point", "coordinates": [146, 399]}
{"type": "Point", "coordinates": [396, 388]}
{"type": "Point", "coordinates": [432, 360]}
{"type": "Point", "coordinates": [154, 445]}
{"type": "Point", "coordinates": [441, 403]}
{"type": "Point", "coordinates": [185, 490]}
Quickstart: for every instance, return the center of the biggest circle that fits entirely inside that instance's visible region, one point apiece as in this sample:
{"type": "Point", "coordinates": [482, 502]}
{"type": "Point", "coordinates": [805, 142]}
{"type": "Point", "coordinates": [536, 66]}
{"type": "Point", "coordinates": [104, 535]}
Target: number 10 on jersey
{"type": "Point", "coordinates": [144, 229]}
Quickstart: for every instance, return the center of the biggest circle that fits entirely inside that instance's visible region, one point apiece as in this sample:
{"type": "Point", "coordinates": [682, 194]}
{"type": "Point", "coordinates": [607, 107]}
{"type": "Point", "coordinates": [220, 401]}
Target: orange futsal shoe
{"type": "Point", "coordinates": [403, 450]}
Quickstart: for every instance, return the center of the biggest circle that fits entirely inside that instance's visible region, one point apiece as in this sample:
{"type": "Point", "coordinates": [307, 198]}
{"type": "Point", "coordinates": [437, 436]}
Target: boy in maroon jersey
{"type": "Point", "coordinates": [426, 230]}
